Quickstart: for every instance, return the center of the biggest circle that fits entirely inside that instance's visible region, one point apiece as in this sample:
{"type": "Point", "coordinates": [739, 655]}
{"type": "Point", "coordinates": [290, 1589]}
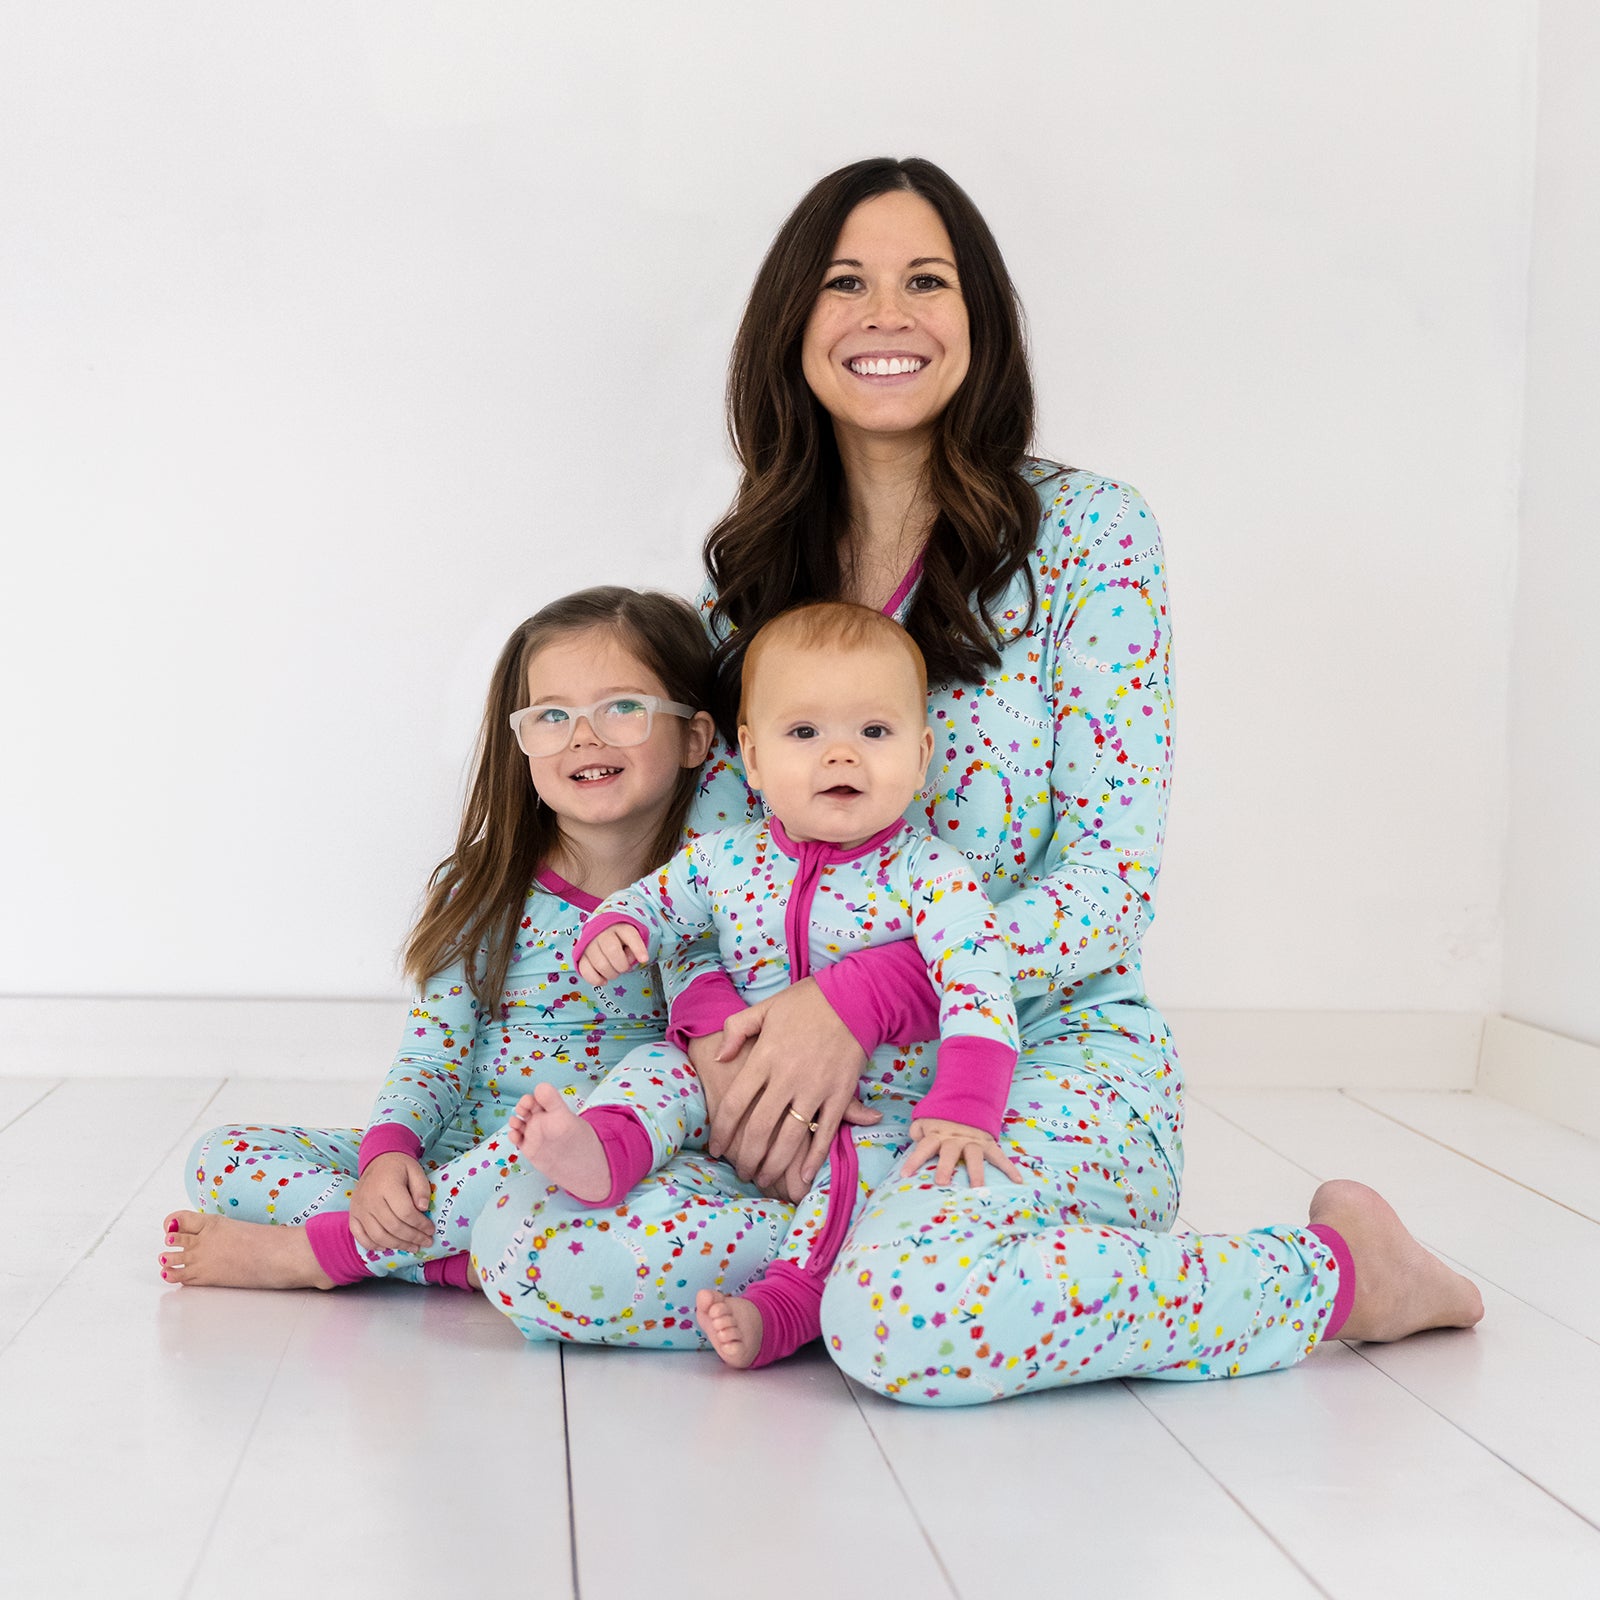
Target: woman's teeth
{"type": "Point", "coordinates": [886, 366]}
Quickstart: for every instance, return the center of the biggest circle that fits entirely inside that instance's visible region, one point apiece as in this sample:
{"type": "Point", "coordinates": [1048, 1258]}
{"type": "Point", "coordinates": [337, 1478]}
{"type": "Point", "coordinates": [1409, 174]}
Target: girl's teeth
{"type": "Point", "coordinates": [595, 772]}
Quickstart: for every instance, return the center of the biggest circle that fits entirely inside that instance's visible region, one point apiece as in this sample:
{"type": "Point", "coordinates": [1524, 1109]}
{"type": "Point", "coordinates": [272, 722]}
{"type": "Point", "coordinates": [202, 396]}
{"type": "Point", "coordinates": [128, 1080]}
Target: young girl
{"type": "Point", "coordinates": [597, 700]}
{"type": "Point", "coordinates": [834, 733]}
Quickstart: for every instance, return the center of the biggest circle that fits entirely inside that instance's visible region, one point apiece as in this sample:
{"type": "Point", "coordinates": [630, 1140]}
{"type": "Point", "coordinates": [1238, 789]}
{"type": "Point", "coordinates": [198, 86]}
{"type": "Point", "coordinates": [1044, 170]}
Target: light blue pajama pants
{"type": "Point", "coordinates": [949, 1295]}
{"type": "Point", "coordinates": [258, 1173]}
{"type": "Point", "coordinates": [572, 1271]}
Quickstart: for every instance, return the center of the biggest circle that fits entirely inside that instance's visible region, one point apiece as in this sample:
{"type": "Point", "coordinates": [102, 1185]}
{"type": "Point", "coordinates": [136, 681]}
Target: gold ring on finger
{"type": "Point", "coordinates": [799, 1117]}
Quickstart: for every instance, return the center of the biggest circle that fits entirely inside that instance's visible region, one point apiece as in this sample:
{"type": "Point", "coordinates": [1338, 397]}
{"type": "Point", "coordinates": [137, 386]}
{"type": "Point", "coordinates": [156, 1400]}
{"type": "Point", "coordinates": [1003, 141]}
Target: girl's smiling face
{"type": "Point", "coordinates": [887, 342]}
{"type": "Point", "coordinates": [608, 797]}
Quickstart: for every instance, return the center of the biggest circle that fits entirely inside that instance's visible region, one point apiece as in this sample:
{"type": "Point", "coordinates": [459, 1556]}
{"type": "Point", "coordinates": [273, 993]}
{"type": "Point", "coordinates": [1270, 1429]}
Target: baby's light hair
{"type": "Point", "coordinates": [823, 624]}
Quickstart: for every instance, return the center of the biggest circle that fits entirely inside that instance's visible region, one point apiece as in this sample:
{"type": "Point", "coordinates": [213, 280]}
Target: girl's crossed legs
{"type": "Point", "coordinates": [270, 1205]}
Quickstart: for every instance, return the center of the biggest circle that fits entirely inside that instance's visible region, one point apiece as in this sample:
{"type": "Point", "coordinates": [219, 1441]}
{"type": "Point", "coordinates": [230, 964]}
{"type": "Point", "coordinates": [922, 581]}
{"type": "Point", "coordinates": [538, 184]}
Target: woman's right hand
{"type": "Point", "coordinates": [805, 1058]}
{"type": "Point", "coordinates": [389, 1210]}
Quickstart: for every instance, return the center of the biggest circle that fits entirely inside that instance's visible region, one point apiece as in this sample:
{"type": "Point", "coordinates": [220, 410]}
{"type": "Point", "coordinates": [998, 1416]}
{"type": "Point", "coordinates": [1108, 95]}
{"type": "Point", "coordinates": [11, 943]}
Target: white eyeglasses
{"type": "Point", "coordinates": [620, 720]}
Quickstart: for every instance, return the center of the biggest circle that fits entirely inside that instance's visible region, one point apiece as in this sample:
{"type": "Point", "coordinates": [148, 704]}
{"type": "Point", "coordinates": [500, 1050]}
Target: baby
{"type": "Point", "coordinates": [834, 734]}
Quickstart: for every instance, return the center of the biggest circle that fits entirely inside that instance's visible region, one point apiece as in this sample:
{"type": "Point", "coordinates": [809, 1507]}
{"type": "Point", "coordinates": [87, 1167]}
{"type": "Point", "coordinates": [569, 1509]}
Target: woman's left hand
{"type": "Point", "coordinates": [803, 1058]}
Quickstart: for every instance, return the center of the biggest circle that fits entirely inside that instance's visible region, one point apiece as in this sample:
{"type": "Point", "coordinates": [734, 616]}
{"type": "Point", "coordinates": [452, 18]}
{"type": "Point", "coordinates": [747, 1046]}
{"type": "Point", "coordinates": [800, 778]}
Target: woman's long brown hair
{"type": "Point", "coordinates": [474, 904]}
{"type": "Point", "coordinates": [779, 544]}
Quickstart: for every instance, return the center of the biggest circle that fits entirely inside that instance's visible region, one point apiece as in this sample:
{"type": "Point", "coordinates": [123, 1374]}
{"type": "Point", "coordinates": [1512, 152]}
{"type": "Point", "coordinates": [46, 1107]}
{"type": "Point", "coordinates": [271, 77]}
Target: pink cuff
{"type": "Point", "coordinates": [1345, 1295]}
{"type": "Point", "coordinates": [790, 1302]}
{"type": "Point", "coordinates": [703, 1008]}
{"type": "Point", "coordinates": [334, 1246]}
{"type": "Point", "coordinates": [883, 995]}
{"type": "Point", "coordinates": [450, 1272]}
{"type": "Point", "coordinates": [381, 1138]}
{"type": "Point", "coordinates": [627, 1148]}
{"type": "Point", "coordinates": [598, 925]}
{"type": "Point", "coordinates": [972, 1083]}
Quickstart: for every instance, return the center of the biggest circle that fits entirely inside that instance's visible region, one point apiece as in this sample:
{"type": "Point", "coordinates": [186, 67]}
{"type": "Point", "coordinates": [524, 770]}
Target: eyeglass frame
{"type": "Point", "coordinates": [652, 703]}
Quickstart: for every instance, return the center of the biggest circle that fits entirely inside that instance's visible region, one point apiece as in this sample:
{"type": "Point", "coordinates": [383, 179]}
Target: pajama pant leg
{"type": "Point", "coordinates": [657, 1083]}
{"type": "Point", "coordinates": [270, 1174]}
{"type": "Point", "coordinates": [955, 1295]}
{"type": "Point", "coordinates": [288, 1175]}
{"type": "Point", "coordinates": [880, 1150]}
{"type": "Point", "coordinates": [628, 1274]}
{"type": "Point", "coordinates": [625, 1274]}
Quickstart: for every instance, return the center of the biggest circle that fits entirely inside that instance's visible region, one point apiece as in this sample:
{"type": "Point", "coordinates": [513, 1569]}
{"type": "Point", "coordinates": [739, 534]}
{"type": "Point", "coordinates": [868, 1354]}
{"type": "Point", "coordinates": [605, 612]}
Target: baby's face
{"type": "Point", "coordinates": [837, 740]}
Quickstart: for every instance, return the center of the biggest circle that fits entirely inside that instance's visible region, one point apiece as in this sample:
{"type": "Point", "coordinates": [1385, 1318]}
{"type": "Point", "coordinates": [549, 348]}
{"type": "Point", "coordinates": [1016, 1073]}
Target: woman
{"type": "Point", "coordinates": [880, 403]}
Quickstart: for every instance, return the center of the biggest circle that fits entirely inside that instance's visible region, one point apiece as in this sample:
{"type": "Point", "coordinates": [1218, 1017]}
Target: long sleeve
{"type": "Point", "coordinates": [954, 928]}
{"type": "Point", "coordinates": [701, 994]}
{"type": "Point", "coordinates": [1068, 751]}
{"type": "Point", "coordinates": [672, 904]}
{"type": "Point", "coordinates": [1110, 693]}
{"type": "Point", "coordinates": [431, 1071]}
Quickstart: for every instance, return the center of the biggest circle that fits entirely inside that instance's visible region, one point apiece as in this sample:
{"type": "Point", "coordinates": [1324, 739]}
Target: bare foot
{"type": "Point", "coordinates": [1400, 1287]}
{"type": "Point", "coordinates": [243, 1255]}
{"type": "Point", "coordinates": [732, 1324]}
{"type": "Point", "coordinates": [561, 1144]}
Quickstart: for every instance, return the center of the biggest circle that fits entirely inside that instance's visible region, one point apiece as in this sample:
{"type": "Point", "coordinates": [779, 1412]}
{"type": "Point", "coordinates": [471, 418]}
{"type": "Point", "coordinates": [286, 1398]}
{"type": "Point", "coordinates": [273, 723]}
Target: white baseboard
{"type": "Point", "coordinates": [137, 1038]}
{"type": "Point", "coordinates": [1328, 1049]}
{"type": "Point", "coordinates": [1554, 1077]}
{"type": "Point", "coordinates": [354, 1039]}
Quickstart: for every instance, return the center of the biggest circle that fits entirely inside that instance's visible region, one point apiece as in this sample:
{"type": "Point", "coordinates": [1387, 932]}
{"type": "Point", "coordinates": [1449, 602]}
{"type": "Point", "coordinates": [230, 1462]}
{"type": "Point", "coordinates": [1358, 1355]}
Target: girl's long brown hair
{"type": "Point", "coordinates": [474, 903]}
{"type": "Point", "coordinates": [779, 544]}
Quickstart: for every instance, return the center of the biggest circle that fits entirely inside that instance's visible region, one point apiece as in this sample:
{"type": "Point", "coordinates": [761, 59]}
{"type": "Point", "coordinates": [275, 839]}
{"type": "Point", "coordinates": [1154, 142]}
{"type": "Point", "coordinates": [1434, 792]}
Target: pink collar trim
{"type": "Point", "coordinates": [907, 584]}
{"type": "Point", "coordinates": [832, 852]}
{"type": "Point", "coordinates": [548, 879]}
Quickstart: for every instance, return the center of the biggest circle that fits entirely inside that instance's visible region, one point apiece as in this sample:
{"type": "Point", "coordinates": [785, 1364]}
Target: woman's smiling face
{"type": "Point", "coordinates": [887, 342]}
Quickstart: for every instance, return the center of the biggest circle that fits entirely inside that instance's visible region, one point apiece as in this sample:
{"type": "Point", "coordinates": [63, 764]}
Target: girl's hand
{"type": "Point", "coordinates": [389, 1210]}
{"type": "Point", "coordinates": [612, 952]}
{"type": "Point", "coordinates": [805, 1061]}
{"type": "Point", "coordinates": [954, 1144]}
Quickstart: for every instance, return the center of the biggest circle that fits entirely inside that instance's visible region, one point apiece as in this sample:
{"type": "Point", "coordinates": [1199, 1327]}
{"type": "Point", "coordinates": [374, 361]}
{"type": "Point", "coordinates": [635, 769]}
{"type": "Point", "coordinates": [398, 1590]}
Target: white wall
{"type": "Point", "coordinates": [338, 337]}
{"type": "Point", "coordinates": [1552, 971]}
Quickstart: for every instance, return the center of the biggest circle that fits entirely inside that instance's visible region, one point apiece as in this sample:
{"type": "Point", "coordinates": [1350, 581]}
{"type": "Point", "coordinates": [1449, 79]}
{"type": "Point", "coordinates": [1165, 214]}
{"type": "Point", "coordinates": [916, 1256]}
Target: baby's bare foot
{"type": "Point", "coordinates": [731, 1323]}
{"type": "Point", "coordinates": [561, 1144]}
{"type": "Point", "coordinates": [1400, 1287]}
{"type": "Point", "coordinates": [243, 1255]}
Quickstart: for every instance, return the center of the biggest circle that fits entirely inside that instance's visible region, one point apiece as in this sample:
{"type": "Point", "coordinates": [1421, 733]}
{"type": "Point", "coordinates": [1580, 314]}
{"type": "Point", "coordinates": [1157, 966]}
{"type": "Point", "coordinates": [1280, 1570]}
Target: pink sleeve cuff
{"type": "Point", "coordinates": [598, 925]}
{"type": "Point", "coordinates": [381, 1138]}
{"type": "Point", "coordinates": [704, 1007]}
{"type": "Point", "coordinates": [971, 1084]}
{"type": "Point", "coordinates": [883, 995]}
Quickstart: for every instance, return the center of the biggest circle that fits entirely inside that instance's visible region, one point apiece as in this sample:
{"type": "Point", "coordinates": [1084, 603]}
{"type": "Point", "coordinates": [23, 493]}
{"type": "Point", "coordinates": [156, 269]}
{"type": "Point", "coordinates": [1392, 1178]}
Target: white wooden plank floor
{"type": "Point", "coordinates": [388, 1440]}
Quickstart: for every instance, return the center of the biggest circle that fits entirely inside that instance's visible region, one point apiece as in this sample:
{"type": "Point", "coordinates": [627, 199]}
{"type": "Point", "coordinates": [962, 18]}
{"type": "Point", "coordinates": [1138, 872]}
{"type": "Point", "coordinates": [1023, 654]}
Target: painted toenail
{"type": "Point", "coordinates": [163, 1261]}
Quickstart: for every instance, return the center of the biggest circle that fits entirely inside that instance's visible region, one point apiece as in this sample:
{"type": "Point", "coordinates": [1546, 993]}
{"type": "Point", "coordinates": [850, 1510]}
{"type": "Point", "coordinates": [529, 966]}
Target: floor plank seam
{"type": "Point", "coordinates": [1467, 1433]}
{"type": "Point", "coordinates": [1266, 1532]}
{"type": "Point", "coordinates": [1255, 1138]}
{"type": "Point", "coordinates": [239, 1460]}
{"type": "Point", "coordinates": [916, 1516]}
{"type": "Point", "coordinates": [32, 1105]}
{"type": "Point", "coordinates": [1355, 1099]}
{"type": "Point", "coordinates": [88, 1252]}
{"type": "Point", "coordinates": [574, 1580]}
{"type": "Point", "coordinates": [1469, 1269]}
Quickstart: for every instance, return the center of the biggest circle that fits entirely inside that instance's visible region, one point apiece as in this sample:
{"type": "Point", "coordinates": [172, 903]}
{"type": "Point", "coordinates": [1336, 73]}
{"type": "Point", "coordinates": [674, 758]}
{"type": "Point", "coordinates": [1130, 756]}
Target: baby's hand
{"type": "Point", "coordinates": [954, 1144]}
{"type": "Point", "coordinates": [612, 952]}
